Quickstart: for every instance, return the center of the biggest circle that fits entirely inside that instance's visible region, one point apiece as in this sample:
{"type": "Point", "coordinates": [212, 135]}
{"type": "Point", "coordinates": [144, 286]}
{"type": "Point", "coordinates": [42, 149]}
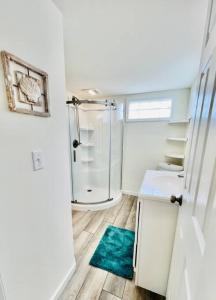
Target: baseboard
{"type": "Point", "coordinates": [64, 282]}
{"type": "Point", "coordinates": [130, 193]}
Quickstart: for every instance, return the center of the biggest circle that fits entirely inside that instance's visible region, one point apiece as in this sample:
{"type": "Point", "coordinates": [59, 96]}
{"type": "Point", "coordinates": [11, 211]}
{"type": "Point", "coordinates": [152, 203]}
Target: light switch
{"type": "Point", "coordinates": [38, 161]}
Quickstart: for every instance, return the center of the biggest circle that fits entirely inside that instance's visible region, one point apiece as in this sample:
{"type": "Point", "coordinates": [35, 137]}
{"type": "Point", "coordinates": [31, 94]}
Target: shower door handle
{"type": "Point", "coordinates": [74, 155]}
{"type": "Point", "coordinates": [174, 199]}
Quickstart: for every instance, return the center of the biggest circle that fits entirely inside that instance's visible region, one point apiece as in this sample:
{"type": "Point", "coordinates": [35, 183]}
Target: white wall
{"type": "Point", "coordinates": [145, 143]}
{"type": "Point", "coordinates": [36, 250]}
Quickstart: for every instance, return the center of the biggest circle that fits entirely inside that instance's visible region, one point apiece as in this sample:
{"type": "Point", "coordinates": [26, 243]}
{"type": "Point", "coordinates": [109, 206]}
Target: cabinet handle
{"type": "Point", "coordinates": [174, 199]}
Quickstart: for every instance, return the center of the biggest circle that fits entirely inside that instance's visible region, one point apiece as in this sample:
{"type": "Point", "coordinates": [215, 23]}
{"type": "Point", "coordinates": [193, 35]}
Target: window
{"type": "Point", "coordinates": [138, 110]}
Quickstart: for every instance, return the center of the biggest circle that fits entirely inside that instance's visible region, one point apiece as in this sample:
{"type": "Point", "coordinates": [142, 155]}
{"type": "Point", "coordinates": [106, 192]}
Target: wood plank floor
{"type": "Point", "coordinates": [89, 283]}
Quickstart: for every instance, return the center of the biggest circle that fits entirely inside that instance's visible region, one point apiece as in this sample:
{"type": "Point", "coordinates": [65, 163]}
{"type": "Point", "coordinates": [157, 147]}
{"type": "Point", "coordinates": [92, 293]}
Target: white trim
{"type": "Point", "coordinates": [187, 285]}
{"type": "Point", "coordinates": [130, 193]}
{"type": "Point", "coordinates": [160, 119]}
{"type": "Point", "coordinates": [165, 120]}
{"type": "Point", "coordinates": [199, 235]}
{"type": "Point", "coordinates": [63, 283]}
{"type": "Point", "coordinates": [183, 121]}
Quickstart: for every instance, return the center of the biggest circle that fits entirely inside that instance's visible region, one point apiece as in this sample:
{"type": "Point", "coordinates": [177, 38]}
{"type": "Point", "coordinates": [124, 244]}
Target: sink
{"type": "Point", "coordinates": [161, 185]}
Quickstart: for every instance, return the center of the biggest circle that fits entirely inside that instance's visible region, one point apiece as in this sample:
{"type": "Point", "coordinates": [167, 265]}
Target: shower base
{"type": "Point", "coordinates": [96, 199]}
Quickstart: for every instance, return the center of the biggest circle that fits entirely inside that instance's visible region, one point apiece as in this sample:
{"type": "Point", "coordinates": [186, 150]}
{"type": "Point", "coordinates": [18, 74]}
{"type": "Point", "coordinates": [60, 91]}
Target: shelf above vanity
{"type": "Point", "coordinates": [175, 155]}
{"type": "Point", "coordinates": [176, 139]}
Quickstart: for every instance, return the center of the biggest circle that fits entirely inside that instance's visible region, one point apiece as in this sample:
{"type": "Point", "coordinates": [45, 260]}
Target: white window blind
{"type": "Point", "coordinates": [149, 109]}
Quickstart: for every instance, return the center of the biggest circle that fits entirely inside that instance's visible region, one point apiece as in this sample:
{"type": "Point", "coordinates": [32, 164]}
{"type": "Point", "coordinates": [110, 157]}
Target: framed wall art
{"type": "Point", "coordinates": [26, 86]}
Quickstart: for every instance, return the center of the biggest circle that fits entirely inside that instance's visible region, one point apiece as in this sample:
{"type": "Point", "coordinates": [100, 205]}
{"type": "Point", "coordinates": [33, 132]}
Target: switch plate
{"type": "Point", "coordinates": [37, 159]}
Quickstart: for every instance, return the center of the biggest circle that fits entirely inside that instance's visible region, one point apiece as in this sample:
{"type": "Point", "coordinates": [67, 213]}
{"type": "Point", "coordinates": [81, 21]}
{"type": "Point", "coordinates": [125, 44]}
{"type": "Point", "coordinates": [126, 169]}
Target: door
{"type": "Point", "coordinates": [194, 251]}
{"type": "Point", "coordinates": [2, 294]}
{"type": "Point", "coordinates": [210, 33]}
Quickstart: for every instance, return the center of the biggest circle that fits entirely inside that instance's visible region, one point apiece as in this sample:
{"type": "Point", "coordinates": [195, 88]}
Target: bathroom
{"type": "Point", "coordinates": [107, 126]}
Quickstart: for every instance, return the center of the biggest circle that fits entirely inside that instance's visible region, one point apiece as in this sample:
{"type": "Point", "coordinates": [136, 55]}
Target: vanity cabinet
{"type": "Point", "coordinates": [155, 229]}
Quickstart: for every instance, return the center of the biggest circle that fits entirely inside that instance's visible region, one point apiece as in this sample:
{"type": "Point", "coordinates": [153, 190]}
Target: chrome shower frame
{"type": "Point", "coordinates": [110, 105]}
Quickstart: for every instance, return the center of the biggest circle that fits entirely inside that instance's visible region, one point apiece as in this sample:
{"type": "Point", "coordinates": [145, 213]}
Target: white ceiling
{"type": "Point", "coordinates": [132, 46]}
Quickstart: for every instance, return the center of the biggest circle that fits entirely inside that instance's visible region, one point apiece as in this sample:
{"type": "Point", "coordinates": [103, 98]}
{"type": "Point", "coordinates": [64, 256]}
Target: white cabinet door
{"type": "Point", "coordinates": [196, 235]}
{"type": "Point", "coordinates": [156, 232]}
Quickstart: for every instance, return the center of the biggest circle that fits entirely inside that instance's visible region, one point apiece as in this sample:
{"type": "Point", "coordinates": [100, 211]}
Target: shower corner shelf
{"type": "Point", "coordinates": [87, 128]}
{"type": "Point", "coordinates": [175, 155]}
{"type": "Point", "coordinates": [87, 145]}
{"type": "Point", "coordinates": [87, 160]}
{"type": "Point", "coordinates": [176, 139]}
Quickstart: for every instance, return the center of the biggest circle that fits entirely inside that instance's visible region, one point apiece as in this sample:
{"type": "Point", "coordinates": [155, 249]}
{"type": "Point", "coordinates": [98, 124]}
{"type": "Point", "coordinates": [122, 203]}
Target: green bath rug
{"type": "Point", "coordinates": [115, 252]}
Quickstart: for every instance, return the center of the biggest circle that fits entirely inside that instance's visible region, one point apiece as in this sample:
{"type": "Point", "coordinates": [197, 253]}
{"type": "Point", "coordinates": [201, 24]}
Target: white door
{"type": "Point", "coordinates": [210, 33]}
{"type": "Point", "coordinates": [2, 295]}
{"type": "Point", "coordinates": [193, 268]}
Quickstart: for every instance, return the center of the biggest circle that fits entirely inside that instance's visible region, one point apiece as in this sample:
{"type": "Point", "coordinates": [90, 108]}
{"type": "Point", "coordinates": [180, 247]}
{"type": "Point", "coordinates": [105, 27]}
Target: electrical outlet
{"type": "Point", "coordinates": [37, 159]}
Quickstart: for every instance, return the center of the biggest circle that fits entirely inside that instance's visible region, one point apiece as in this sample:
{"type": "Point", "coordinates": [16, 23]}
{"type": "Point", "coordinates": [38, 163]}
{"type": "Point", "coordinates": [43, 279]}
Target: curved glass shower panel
{"type": "Point", "coordinates": [116, 150]}
{"type": "Point", "coordinates": [90, 159]}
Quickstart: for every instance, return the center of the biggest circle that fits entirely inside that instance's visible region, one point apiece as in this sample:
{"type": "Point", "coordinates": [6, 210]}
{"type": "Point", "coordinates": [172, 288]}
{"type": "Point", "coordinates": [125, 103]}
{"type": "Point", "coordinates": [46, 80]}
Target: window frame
{"type": "Point", "coordinates": [128, 101]}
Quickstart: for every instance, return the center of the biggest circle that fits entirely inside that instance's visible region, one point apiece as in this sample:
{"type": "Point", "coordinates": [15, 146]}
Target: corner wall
{"type": "Point", "coordinates": [145, 143]}
{"type": "Point", "coordinates": [36, 246]}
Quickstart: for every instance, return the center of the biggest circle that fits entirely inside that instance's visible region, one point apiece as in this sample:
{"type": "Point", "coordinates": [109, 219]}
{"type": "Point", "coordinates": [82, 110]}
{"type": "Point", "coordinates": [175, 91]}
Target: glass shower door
{"type": "Point", "coordinates": [90, 160]}
{"type": "Point", "coordinates": [116, 145]}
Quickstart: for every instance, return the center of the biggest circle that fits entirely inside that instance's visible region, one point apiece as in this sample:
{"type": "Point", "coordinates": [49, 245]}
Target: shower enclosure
{"type": "Point", "coordinates": [96, 131]}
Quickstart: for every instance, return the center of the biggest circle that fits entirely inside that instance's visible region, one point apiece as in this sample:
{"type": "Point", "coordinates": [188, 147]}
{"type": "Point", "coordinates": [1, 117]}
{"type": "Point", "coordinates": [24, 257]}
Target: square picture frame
{"type": "Point", "coordinates": [26, 86]}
